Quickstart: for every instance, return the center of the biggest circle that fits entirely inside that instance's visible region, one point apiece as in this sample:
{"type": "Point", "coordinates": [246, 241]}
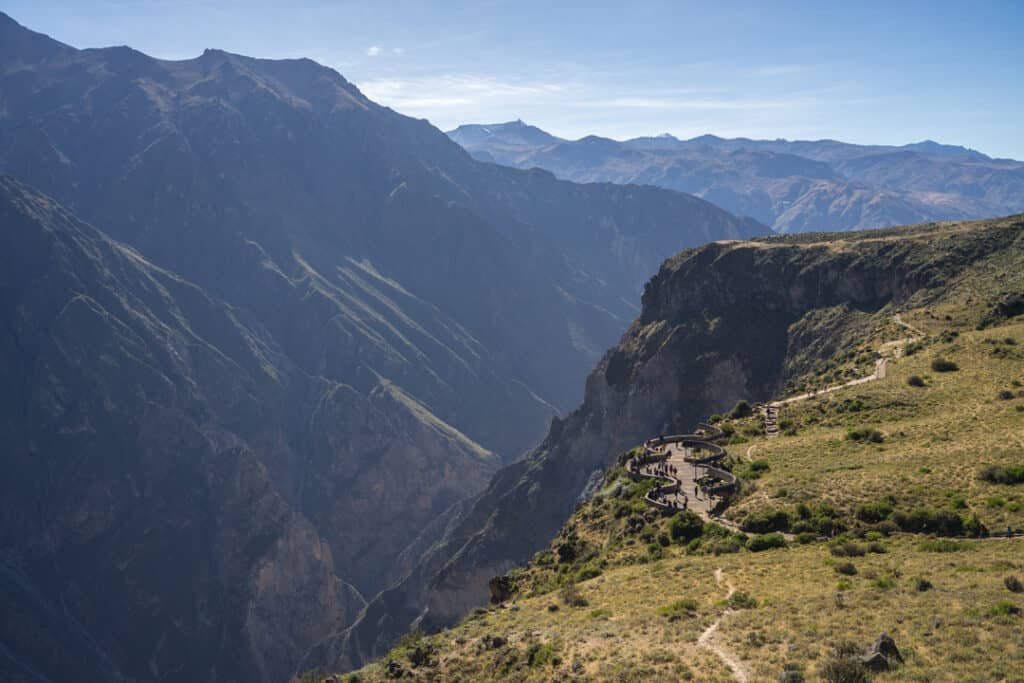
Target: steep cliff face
{"type": "Point", "coordinates": [721, 322]}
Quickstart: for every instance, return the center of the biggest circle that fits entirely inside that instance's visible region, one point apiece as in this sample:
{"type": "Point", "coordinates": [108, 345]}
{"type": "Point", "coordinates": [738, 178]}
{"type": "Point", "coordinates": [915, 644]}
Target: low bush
{"type": "Point", "coordinates": [915, 381]}
{"type": "Point", "coordinates": [686, 526]}
{"type": "Point", "coordinates": [994, 474]}
{"type": "Point", "coordinates": [847, 550]}
{"type": "Point", "coordinates": [687, 607]}
{"type": "Point", "coordinates": [1013, 584]}
{"type": "Point", "coordinates": [765, 542]}
{"type": "Point", "coordinates": [845, 666]}
{"type": "Point", "coordinates": [766, 521]}
{"type": "Point", "coordinates": [723, 547]}
{"type": "Point", "coordinates": [942, 365]}
{"type": "Point", "coordinates": [927, 520]}
{"type": "Point", "coordinates": [921, 584]}
{"type": "Point", "coordinates": [741, 409]}
{"type": "Point", "coordinates": [1003, 608]}
{"type": "Point", "coordinates": [846, 569]}
{"type": "Point", "coordinates": [874, 512]}
{"type": "Point", "coordinates": [538, 655]}
{"type": "Point", "coordinates": [865, 435]}
{"type": "Point", "coordinates": [741, 600]}
{"type": "Point", "coordinates": [1005, 395]}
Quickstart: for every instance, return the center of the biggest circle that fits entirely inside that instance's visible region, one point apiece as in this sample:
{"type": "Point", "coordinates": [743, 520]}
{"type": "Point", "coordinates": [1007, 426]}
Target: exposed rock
{"type": "Point", "coordinates": [502, 589]}
{"type": "Point", "coordinates": [883, 654]}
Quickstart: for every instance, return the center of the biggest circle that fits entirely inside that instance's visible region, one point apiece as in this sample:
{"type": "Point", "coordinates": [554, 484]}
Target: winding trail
{"type": "Point", "coordinates": [708, 639]}
{"type": "Point", "coordinates": [897, 347]}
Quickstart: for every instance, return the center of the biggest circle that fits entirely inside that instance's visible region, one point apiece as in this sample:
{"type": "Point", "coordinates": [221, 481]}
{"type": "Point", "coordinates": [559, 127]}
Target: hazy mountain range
{"type": "Point", "coordinates": [794, 186]}
{"type": "Point", "coordinates": [258, 333]}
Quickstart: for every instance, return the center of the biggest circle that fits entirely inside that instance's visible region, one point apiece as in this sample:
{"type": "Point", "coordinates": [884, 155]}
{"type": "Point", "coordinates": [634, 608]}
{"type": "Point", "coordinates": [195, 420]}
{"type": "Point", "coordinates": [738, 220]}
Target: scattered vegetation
{"type": "Point", "coordinates": [995, 474]}
{"type": "Point", "coordinates": [865, 435]}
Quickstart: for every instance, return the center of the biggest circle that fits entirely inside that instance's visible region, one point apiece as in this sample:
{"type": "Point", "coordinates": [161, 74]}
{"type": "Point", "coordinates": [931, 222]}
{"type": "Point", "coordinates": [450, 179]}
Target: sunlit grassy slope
{"type": "Point", "coordinates": [869, 484]}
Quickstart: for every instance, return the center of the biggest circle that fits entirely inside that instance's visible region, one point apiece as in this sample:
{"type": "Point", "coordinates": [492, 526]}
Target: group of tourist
{"type": "Point", "coordinates": [673, 503]}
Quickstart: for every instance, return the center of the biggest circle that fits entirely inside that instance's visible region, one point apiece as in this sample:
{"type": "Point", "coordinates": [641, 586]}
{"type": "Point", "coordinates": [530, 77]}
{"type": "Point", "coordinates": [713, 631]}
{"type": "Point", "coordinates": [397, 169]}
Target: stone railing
{"type": "Point", "coordinates": [701, 443]}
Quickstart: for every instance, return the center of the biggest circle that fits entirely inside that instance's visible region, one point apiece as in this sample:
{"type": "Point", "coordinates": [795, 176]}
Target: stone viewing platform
{"type": "Point", "coordinates": [685, 467]}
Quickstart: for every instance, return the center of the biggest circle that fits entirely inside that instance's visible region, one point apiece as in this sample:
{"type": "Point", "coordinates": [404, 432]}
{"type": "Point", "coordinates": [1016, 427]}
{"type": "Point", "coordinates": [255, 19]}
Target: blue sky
{"type": "Point", "coordinates": [870, 72]}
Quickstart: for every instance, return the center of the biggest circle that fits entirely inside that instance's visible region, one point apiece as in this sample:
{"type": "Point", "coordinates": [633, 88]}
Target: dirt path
{"type": "Point", "coordinates": [899, 321]}
{"type": "Point", "coordinates": [897, 347]}
{"type": "Point", "coordinates": [709, 640]}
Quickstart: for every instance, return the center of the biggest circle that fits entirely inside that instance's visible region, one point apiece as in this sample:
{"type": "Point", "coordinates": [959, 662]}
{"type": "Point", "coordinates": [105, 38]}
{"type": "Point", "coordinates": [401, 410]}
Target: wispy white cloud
{"type": "Point", "coordinates": [380, 50]}
{"type": "Point", "coordinates": [566, 104]}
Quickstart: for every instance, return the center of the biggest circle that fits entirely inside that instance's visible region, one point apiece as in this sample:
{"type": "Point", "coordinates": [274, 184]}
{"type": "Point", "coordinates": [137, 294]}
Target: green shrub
{"type": "Point", "coordinates": [874, 512]}
{"type": "Point", "coordinates": [995, 474]}
{"type": "Point", "coordinates": [587, 572]}
{"type": "Point", "coordinates": [566, 551]}
{"type": "Point", "coordinates": [538, 655]}
{"type": "Point", "coordinates": [686, 526]}
{"type": "Point", "coordinates": [723, 546]}
{"type": "Point", "coordinates": [1005, 395]}
{"type": "Point", "coordinates": [915, 381]}
{"type": "Point", "coordinates": [712, 530]}
{"type": "Point", "coordinates": [806, 537]}
{"type": "Point", "coordinates": [940, 364]}
{"type": "Point", "coordinates": [877, 548]}
{"type": "Point", "coordinates": [600, 613]}
{"type": "Point", "coordinates": [764, 522]}
{"type": "Point", "coordinates": [1003, 608]}
{"type": "Point", "coordinates": [847, 550]}
{"type": "Point", "coordinates": [846, 568]}
{"type": "Point", "coordinates": [766, 542]}
{"type": "Point", "coordinates": [1013, 584]}
{"type": "Point", "coordinates": [687, 607]}
{"type": "Point", "coordinates": [865, 435]}
{"type": "Point", "coordinates": [741, 600]}
{"type": "Point", "coordinates": [884, 582]}
{"type": "Point", "coordinates": [926, 520]}
{"type": "Point", "coordinates": [921, 584]}
{"type": "Point", "coordinates": [740, 410]}
{"type": "Point", "coordinates": [844, 666]}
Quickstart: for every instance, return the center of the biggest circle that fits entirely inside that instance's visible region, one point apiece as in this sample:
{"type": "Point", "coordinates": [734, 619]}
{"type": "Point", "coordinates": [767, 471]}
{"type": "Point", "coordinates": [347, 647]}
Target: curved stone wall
{"type": "Point", "coordinates": [701, 443]}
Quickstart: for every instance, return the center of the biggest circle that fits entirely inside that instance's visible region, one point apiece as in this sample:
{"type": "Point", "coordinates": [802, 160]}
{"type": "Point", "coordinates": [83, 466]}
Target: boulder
{"type": "Point", "coordinates": [883, 654]}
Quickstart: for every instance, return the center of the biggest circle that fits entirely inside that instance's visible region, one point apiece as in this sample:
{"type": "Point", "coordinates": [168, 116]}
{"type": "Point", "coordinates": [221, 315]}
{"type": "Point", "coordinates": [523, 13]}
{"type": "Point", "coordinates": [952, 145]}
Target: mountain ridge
{"type": "Point", "coordinates": [395, 292]}
{"type": "Point", "coordinates": [792, 185]}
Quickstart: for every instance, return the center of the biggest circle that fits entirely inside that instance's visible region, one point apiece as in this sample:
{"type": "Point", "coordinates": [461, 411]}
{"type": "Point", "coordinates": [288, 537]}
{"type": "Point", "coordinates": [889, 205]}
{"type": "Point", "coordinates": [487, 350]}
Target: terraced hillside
{"type": "Point", "coordinates": [879, 506]}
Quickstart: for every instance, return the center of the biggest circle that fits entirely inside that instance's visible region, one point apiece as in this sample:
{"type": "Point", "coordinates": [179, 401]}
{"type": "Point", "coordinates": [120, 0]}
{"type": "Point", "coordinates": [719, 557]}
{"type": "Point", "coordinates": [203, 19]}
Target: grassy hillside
{"type": "Point", "coordinates": [861, 518]}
